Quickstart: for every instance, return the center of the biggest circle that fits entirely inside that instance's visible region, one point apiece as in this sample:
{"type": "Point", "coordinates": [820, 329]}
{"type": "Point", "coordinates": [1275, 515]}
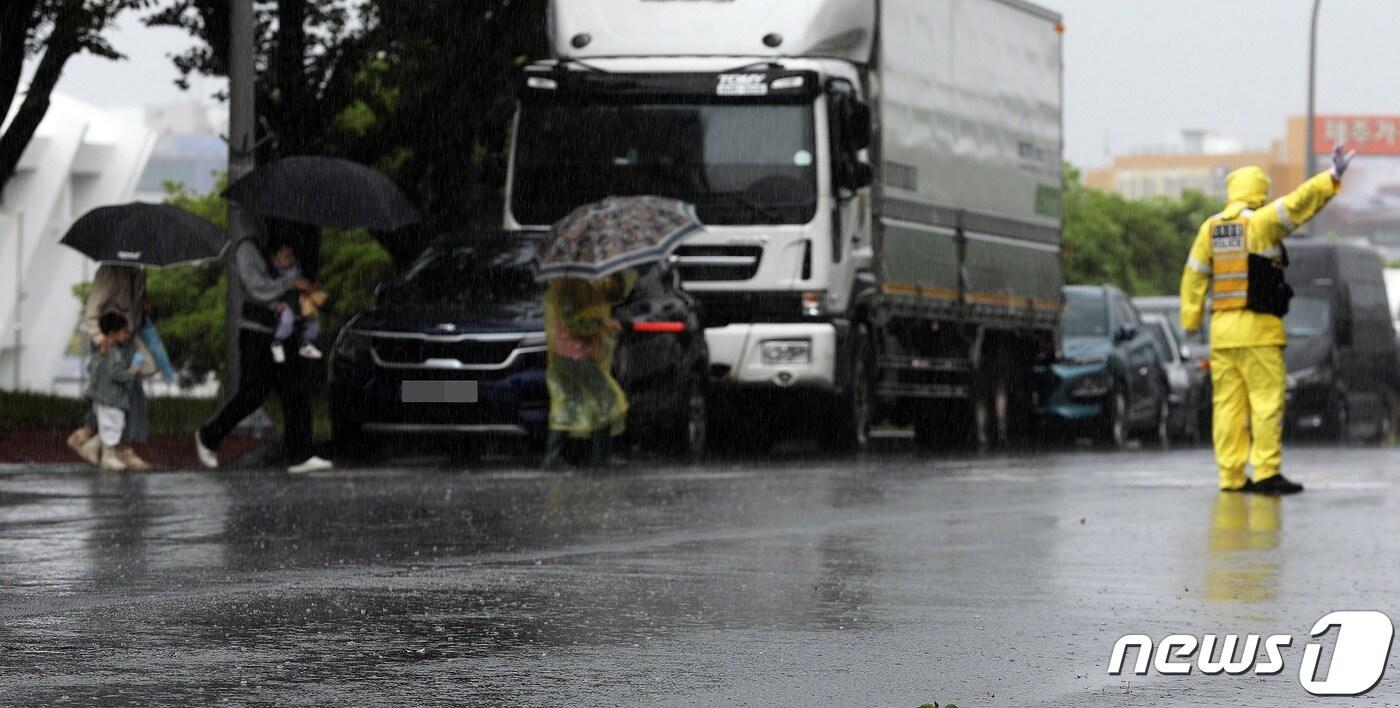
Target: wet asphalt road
{"type": "Point", "coordinates": [893, 580]}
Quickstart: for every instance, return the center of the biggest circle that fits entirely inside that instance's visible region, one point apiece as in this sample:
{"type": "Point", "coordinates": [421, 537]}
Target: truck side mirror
{"type": "Point", "coordinates": [855, 175]}
{"type": "Point", "coordinates": [855, 125]}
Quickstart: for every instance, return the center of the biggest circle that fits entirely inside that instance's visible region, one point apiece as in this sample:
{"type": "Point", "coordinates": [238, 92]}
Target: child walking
{"type": "Point", "coordinates": [110, 380]}
{"type": "Point", "coordinates": [304, 306]}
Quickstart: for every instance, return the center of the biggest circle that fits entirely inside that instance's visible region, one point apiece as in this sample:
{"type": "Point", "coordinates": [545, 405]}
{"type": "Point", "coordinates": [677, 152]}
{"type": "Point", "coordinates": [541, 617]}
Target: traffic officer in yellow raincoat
{"type": "Point", "coordinates": [1239, 253]}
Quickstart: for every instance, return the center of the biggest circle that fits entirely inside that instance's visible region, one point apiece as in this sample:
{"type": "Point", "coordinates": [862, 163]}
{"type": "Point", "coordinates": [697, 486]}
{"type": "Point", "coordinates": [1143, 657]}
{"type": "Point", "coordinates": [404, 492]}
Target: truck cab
{"type": "Point", "coordinates": [770, 149]}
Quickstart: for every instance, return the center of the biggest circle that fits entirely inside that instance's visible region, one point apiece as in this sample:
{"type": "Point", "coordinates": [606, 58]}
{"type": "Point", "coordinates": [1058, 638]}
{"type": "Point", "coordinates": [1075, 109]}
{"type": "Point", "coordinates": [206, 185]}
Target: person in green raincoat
{"type": "Point", "coordinates": [585, 401]}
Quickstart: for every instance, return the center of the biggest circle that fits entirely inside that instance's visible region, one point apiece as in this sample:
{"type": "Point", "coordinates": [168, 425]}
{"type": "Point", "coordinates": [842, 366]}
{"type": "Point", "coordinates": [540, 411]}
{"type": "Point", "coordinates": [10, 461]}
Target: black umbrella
{"type": "Point", "coordinates": [156, 235]}
{"type": "Point", "coordinates": [324, 191]}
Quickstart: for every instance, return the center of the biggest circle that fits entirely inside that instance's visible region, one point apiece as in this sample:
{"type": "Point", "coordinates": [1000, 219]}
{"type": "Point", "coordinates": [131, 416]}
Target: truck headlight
{"type": "Point", "coordinates": [787, 351]}
{"type": "Point", "coordinates": [814, 303]}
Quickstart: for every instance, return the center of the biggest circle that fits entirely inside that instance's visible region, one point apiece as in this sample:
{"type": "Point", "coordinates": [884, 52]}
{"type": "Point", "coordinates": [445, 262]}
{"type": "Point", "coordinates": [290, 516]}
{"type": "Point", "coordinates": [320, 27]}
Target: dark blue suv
{"type": "Point", "coordinates": [455, 345]}
{"type": "Point", "coordinates": [1109, 382]}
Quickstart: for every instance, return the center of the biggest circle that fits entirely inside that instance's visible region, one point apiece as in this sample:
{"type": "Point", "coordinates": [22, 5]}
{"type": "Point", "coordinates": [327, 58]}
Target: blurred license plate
{"type": "Point", "coordinates": [439, 392]}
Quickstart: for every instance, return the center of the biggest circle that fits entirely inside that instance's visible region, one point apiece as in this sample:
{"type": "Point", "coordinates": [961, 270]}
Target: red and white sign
{"type": "Point", "coordinates": [1367, 135]}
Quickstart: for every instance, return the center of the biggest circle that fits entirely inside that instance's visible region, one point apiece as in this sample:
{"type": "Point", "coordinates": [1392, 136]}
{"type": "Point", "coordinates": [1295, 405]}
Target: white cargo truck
{"type": "Point", "coordinates": [880, 180]}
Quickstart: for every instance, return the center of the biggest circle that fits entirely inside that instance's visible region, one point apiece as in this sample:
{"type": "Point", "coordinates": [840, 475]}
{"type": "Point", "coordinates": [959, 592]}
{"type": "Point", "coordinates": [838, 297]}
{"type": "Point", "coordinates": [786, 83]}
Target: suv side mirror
{"type": "Point", "coordinates": [1125, 333]}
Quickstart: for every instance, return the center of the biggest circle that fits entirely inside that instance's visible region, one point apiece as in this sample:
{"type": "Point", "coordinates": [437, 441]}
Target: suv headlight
{"type": "Point", "coordinates": [1310, 376]}
{"type": "Point", "coordinates": [351, 345]}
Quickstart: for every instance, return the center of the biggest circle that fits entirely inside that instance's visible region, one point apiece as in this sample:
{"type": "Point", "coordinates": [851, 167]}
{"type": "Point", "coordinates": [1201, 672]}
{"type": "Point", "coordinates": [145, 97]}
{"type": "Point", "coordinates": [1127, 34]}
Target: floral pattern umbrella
{"type": "Point", "coordinates": [602, 238]}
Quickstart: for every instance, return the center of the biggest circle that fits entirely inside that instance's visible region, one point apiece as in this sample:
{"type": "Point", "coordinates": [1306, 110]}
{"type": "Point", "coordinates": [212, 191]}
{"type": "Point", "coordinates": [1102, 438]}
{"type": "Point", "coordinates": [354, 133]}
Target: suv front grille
{"type": "Point", "coordinates": [399, 350]}
{"type": "Point", "coordinates": [708, 263]}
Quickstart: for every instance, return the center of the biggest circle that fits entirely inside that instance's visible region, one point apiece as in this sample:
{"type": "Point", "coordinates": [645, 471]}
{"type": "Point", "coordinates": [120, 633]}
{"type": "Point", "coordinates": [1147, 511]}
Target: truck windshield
{"type": "Point", "coordinates": [737, 163]}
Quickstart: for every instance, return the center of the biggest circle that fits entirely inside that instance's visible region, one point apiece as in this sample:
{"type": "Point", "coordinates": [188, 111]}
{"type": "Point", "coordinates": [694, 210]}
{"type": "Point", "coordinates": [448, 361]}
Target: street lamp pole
{"type": "Point", "coordinates": [1308, 140]}
{"type": "Point", "coordinates": [241, 144]}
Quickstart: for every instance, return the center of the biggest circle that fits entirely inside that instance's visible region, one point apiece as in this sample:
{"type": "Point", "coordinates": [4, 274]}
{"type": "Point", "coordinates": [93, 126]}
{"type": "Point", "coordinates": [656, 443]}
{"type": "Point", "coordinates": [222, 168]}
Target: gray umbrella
{"type": "Point", "coordinates": [326, 192]}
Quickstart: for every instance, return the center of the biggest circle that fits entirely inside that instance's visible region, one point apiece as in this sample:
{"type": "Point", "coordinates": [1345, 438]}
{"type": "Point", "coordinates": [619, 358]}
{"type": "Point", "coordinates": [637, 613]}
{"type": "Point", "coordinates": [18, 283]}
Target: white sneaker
{"type": "Point", "coordinates": [309, 352]}
{"type": "Point", "coordinates": [207, 457]}
{"type": "Point", "coordinates": [312, 464]}
{"type": "Point", "coordinates": [279, 354]}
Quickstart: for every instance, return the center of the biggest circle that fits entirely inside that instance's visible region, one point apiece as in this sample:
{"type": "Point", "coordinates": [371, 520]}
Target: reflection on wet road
{"type": "Point", "coordinates": [892, 580]}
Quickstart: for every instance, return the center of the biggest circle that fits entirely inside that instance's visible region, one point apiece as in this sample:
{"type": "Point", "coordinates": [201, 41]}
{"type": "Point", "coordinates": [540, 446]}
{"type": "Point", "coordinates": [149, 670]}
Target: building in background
{"type": "Point", "coordinates": [81, 158]}
{"type": "Point", "coordinates": [188, 151]}
{"type": "Point", "coordinates": [1196, 161]}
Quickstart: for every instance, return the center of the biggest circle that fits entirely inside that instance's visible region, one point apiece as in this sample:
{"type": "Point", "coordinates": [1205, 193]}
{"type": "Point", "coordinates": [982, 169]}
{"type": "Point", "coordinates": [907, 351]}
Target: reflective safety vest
{"type": "Point", "coordinates": [1229, 262]}
{"type": "Point", "coordinates": [1244, 280]}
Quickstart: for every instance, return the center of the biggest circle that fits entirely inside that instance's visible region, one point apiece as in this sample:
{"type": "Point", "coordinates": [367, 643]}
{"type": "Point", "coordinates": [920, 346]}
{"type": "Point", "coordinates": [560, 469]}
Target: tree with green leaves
{"type": "Point", "coordinates": [422, 91]}
{"type": "Point", "coordinates": [54, 31]}
{"type": "Point", "coordinates": [1138, 245]}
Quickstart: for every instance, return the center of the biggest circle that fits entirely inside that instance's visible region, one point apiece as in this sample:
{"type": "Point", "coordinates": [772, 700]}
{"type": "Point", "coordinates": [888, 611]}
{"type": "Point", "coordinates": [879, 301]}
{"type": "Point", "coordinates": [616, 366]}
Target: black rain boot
{"type": "Point", "coordinates": [601, 457]}
{"type": "Point", "coordinates": [1277, 485]}
{"type": "Point", "coordinates": [554, 444]}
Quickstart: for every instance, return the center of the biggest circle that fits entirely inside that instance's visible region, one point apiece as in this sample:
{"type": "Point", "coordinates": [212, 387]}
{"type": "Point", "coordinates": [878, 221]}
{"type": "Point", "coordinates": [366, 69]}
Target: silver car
{"type": "Point", "coordinates": [1188, 380]}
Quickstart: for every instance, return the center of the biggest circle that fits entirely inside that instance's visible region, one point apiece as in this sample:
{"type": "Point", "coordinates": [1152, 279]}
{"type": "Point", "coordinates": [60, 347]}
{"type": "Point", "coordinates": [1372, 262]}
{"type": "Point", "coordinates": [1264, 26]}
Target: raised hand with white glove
{"type": "Point", "coordinates": [1340, 159]}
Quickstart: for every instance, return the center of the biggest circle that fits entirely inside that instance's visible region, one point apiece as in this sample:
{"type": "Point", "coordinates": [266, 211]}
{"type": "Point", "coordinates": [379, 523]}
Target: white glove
{"type": "Point", "coordinates": [1340, 160]}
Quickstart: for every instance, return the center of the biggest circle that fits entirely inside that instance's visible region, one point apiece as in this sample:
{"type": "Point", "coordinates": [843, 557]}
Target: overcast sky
{"type": "Point", "coordinates": [1136, 71]}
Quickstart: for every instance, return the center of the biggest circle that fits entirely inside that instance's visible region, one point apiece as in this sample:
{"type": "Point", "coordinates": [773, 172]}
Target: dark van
{"type": "Point", "coordinates": [1341, 354]}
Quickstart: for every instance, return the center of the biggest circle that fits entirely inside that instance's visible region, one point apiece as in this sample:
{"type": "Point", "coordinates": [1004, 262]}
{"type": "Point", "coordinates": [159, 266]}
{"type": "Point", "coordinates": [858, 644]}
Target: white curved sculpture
{"type": "Point", "coordinates": [81, 158]}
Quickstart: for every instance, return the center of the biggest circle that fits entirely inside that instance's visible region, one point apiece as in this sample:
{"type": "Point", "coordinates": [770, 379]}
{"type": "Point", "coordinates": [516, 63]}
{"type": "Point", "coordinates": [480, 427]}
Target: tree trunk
{"type": "Point", "coordinates": [63, 44]}
{"type": "Point", "coordinates": [15, 18]}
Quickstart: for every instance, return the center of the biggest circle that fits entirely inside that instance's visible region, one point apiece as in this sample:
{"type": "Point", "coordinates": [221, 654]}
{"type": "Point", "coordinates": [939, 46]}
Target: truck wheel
{"type": "Point", "coordinates": [994, 428]}
{"type": "Point", "coordinates": [852, 433]}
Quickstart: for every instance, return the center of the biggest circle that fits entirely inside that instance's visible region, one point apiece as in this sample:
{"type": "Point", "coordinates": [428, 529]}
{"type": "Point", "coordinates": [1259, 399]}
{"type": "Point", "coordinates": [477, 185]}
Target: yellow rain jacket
{"type": "Point", "coordinates": [583, 395]}
{"type": "Point", "coordinates": [1265, 227]}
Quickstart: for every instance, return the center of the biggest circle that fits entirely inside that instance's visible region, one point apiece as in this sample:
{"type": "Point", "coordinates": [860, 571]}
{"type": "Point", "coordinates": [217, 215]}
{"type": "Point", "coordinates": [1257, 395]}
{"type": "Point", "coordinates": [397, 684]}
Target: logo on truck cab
{"type": "Point", "coordinates": [742, 85]}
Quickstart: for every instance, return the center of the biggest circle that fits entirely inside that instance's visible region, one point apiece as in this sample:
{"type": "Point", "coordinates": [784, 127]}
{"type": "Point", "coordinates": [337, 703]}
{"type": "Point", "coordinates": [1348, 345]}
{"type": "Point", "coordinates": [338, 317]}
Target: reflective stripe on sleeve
{"type": "Point", "coordinates": [1199, 267]}
{"type": "Point", "coordinates": [1283, 215]}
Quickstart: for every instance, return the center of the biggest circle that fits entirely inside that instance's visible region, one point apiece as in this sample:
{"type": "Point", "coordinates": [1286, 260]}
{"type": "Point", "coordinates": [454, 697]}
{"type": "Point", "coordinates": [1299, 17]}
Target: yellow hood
{"type": "Point", "coordinates": [1246, 187]}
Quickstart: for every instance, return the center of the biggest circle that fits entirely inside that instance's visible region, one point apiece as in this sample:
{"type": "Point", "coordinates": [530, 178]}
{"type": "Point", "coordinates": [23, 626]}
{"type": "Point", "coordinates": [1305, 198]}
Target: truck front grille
{"type": "Point", "coordinates": [721, 308]}
{"type": "Point", "coordinates": [710, 263]}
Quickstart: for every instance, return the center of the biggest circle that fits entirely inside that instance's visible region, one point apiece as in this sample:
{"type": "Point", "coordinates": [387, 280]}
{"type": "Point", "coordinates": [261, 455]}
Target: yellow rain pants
{"type": "Point", "coordinates": [1248, 399]}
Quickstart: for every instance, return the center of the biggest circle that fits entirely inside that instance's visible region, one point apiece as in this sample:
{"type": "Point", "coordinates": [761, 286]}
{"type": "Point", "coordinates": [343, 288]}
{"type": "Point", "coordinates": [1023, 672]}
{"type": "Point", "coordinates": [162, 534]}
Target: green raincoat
{"type": "Point", "coordinates": [583, 395]}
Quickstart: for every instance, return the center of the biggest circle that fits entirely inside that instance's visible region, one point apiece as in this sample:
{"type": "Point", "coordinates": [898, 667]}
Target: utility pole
{"type": "Point", "coordinates": [1308, 140]}
{"type": "Point", "coordinates": [242, 142]}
